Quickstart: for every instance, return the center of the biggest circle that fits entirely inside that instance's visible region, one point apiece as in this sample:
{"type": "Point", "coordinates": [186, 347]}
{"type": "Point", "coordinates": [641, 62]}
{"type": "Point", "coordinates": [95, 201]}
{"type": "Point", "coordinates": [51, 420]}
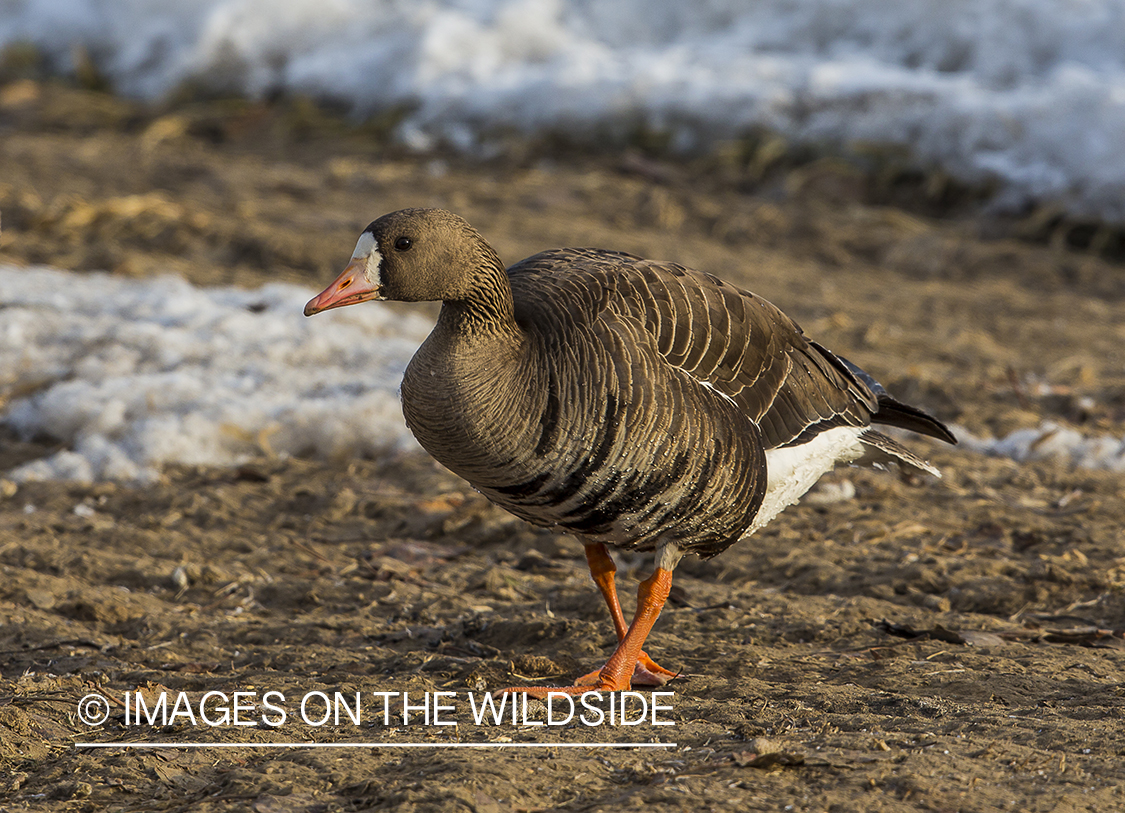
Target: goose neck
{"type": "Point", "coordinates": [487, 308]}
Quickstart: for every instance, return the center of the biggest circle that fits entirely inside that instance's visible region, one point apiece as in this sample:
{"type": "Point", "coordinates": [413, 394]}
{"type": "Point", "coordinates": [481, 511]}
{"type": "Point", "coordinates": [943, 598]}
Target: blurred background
{"type": "Point", "coordinates": [1026, 95]}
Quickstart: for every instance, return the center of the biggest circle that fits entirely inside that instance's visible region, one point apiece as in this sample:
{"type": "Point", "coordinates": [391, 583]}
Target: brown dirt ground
{"type": "Point", "coordinates": [948, 645]}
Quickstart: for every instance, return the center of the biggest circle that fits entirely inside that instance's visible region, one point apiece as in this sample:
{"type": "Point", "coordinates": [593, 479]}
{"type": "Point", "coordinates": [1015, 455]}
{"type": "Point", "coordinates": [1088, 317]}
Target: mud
{"type": "Point", "coordinates": [951, 645]}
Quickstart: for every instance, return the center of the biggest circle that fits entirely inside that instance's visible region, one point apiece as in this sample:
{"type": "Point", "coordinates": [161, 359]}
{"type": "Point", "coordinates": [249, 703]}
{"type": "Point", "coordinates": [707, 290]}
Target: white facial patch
{"type": "Point", "coordinates": [364, 245]}
{"type": "Point", "coordinates": [365, 248]}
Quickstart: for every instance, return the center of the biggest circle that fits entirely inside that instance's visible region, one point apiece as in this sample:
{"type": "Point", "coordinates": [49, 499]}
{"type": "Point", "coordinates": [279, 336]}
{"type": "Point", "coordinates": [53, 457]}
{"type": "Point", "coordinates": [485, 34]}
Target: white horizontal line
{"type": "Point", "coordinates": [375, 745]}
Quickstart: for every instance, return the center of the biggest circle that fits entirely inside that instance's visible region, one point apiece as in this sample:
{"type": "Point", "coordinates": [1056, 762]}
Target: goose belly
{"type": "Point", "coordinates": [632, 475]}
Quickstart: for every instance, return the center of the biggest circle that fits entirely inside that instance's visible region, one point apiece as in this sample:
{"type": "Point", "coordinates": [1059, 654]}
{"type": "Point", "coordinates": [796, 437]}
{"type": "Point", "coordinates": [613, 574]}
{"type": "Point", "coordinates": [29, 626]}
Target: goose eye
{"type": "Point", "coordinates": [403, 244]}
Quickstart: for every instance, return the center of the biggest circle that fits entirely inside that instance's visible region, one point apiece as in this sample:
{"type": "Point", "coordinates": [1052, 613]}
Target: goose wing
{"type": "Point", "coordinates": [730, 340]}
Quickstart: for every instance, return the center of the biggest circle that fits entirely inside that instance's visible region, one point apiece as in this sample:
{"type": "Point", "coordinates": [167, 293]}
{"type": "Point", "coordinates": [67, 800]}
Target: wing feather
{"type": "Point", "coordinates": [735, 342]}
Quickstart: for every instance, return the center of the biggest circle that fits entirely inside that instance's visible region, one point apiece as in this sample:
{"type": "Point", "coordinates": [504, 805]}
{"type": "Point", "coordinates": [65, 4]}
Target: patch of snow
{"type": "Point", "coordinates": [133, 375]}
{"type": "Point", "coordinates": [1030, 93]}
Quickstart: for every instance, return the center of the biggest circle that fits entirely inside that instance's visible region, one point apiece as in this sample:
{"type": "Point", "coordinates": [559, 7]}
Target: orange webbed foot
{"type": "Point", "coordinates": [647, 672]}
{"type": "Point", "coordinates": [628, 664]}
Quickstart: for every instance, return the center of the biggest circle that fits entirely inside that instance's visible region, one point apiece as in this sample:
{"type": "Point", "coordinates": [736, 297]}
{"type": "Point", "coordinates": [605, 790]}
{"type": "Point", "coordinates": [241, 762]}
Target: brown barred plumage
{"type": "Point", "coordinates": [635, 403]}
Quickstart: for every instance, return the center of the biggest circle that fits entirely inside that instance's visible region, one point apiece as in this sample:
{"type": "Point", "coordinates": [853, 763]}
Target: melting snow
{"type": "Point", "coordinates": [1028, 92]}
{"type": "Point", "coordinates": [133, 375]}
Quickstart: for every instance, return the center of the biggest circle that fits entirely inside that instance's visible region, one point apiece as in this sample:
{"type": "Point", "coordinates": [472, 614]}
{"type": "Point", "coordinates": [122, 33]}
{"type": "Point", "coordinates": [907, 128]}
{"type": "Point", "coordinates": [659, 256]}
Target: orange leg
{"type": "Point", "coordinates": [647, 672]}
{"type": "Point", "coordinates": [618, 671]}
{"type": "Point", "coordinates": [604, 572]}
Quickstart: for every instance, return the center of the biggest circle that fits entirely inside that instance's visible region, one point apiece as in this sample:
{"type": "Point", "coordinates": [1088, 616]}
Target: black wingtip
{"type": "Point", "coordinates": [904, 416]}
{"type": "Point", "coordinates": [895, 413]}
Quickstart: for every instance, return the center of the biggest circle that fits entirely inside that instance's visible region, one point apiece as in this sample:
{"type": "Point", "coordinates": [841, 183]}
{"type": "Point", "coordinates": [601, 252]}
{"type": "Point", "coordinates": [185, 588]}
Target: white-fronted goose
{"type": "Point", "coordinates": [634, 403]}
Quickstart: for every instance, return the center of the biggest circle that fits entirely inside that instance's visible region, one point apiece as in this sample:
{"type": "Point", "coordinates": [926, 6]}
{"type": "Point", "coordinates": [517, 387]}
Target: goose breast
{"type": "Point", "coordinates": [585, 425]}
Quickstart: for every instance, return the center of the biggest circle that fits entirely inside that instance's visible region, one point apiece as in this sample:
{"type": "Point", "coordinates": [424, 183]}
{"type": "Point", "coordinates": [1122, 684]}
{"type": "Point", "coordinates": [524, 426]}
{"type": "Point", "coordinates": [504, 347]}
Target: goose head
{"type": "Point", "coordinates": [411, 255]}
